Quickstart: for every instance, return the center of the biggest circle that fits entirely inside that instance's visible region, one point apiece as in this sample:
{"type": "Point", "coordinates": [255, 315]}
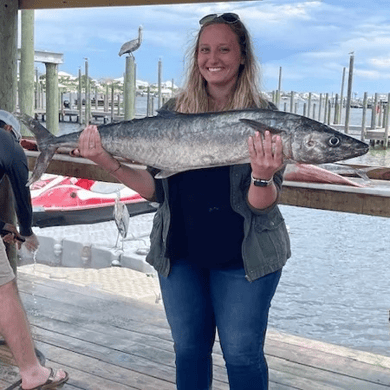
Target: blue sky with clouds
{"type": "Point", "coordinates": [310, 40]}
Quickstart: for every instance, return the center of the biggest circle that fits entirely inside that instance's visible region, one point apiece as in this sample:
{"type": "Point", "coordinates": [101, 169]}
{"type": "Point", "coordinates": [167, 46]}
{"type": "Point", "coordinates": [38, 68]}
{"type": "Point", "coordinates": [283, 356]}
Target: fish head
{"type": "Point", "coordinates": [320, 144]}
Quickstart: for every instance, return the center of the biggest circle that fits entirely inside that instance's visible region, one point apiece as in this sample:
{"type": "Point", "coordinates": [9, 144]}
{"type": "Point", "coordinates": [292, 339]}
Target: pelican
{"type": "Point", "coordinates": [122, 218]}
{"type": "Point", "coordinates": [132, 45]}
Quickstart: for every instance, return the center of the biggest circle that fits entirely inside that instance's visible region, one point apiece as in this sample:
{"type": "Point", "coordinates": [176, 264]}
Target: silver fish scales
{"type": "Point", "coordinates": [175, 142]}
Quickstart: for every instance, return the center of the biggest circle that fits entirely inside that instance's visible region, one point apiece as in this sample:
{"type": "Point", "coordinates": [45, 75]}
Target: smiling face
{"type": "Point", "coordinates": [219, 56]}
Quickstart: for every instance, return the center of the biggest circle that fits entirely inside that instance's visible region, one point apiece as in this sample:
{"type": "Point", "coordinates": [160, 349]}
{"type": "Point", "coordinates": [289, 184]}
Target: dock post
{"type": "Point", "coordinates": [320, 108]}
{"type": "Point", "coordinates": [342, 97]}
{"type": "Point", "coordinates": [112, 101]}
{"type": "Point", "coordinates": [26, 71]}
{"type": "Point", "coordinates": [336, 110]}
{"type": "Point", "coordinates": [79, 102]}
{"type": "Point", "coordinates": [148, 101]}
{"type": "Point", "coordinates": [326, 107]}
{"type": "Point", "coordinates": [159, 83]}
{"type": "Point", "coordinates": [292, 102]}
{"type": "Point", "coordinates": [373, 111]}
{"type": "Point", "coordinates": [349, 93]}
{"type": "Point", "coordinates": [363, 134]}
{"type": "Point", "coordinates": [106, 99]}
{"type": "Point", "coordinates": [128, 90]}
{"type": "Point", "coordinates": [309, 106]}
{"type": "Point", "coordinates": [87, 94]}
{"type": "Point", "coordinates": [386, 121]}
{"type": "Point", "coordinates": [8, 84]}
{"type": "Point", "coordinates": [52, 98]}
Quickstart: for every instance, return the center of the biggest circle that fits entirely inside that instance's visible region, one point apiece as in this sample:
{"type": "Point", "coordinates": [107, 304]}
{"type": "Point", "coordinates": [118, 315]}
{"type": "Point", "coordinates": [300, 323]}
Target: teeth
{"type": "Point", "coordinates": [214, 69]}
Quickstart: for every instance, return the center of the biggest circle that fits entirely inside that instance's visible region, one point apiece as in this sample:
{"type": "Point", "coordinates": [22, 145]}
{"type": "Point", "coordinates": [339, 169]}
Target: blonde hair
{"type": "Point", "coordinates": [194, 97]}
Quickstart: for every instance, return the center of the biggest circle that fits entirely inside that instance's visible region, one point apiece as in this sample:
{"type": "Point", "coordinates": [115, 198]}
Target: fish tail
{"type": "Point", "coordinates": [46, 145]}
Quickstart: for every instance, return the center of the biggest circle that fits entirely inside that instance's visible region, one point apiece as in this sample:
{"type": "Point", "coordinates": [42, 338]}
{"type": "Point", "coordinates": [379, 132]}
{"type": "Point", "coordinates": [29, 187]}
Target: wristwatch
{"type": "Point", "coordinates": [262, 182]}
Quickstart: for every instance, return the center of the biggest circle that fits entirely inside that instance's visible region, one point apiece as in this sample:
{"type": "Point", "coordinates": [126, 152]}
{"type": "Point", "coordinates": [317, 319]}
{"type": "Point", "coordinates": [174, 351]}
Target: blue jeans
{"type": "Point", "coordinates": [197, 301]}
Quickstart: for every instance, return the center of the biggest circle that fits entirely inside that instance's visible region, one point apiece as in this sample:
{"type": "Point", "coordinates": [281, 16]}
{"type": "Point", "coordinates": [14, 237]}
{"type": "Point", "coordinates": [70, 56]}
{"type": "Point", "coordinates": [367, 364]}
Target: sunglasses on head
{"type": "Point", "coordinates": [227, 17]}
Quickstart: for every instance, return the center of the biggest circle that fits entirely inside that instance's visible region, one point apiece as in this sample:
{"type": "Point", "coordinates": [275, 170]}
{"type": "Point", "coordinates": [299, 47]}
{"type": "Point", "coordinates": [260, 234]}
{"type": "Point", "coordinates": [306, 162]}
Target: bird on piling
{"type": "Point", "coordinates": [132, 45]}
{"type": "Point", "coordinates": [122, 218]}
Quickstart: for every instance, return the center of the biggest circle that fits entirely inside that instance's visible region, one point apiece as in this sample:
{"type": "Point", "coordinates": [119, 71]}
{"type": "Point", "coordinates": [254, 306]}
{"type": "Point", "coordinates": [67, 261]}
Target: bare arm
{"type": "Point", "coordinates": [90, 147]}
{"type": "Point", "coordinates": [266, 159]}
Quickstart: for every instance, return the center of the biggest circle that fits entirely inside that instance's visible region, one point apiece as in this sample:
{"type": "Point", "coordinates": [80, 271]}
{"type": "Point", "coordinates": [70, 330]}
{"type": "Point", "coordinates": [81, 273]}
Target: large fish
{"type": "Point", "coordinates": [174, 142]}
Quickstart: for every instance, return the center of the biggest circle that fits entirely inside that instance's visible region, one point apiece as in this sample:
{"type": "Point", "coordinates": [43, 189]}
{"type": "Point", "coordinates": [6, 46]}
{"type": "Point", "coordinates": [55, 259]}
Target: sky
{"type": "Point", "coordinates": [310, 41]}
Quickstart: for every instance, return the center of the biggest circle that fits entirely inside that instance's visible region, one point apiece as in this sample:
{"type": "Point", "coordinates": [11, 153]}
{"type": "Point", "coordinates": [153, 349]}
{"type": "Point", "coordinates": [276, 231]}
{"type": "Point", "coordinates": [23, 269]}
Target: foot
{"type": "Point", "coordinates": [47, 379]}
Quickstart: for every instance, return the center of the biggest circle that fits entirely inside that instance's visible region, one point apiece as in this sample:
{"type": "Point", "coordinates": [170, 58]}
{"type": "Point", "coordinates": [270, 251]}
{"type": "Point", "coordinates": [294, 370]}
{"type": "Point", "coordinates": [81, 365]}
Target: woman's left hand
{"type": "Point", "coordinates": [266, 155]}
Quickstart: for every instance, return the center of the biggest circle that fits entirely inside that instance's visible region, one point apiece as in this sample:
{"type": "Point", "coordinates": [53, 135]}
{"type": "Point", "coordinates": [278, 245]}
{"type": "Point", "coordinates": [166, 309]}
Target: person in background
{"type": "Point", "coordinates": [219, 241]}
{"type": "Point", "coordinates": [14, 326]}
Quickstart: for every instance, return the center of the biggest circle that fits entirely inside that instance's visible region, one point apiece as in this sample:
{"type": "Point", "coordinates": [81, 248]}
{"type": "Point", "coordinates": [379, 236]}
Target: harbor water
{"type": "Point", "coordinates": [335, 287]}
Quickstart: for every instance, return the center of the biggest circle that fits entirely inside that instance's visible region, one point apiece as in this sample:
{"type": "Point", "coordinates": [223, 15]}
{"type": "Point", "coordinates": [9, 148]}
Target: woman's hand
{"type": "Point", "coordinates": [90, 145]}
{"type": "Point", "coordinates": [266, 155]}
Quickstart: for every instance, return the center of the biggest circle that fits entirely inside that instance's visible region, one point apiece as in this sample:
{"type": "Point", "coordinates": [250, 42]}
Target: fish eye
{"type": "Point", "coordinates": [334, 141]}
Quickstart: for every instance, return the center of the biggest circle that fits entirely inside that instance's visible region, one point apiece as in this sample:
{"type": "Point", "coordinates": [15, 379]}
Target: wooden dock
{"type": "Point", "coordinates": [108, 342]}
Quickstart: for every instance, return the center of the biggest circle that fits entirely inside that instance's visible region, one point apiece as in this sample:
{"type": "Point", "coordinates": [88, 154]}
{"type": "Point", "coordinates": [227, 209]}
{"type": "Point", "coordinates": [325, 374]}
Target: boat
{"type": "Point", "coordinates": [63, 200]}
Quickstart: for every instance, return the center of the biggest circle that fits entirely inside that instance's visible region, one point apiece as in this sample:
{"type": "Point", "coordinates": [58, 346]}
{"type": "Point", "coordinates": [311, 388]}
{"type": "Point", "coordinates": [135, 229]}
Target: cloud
{"type": "Point", "coordinates": [311, 40]}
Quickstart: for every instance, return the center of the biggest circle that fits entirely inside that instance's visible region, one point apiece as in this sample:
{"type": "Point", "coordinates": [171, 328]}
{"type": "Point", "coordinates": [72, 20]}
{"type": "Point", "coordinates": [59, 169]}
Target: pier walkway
{"type": "Point", "coordinates": [108, 341]}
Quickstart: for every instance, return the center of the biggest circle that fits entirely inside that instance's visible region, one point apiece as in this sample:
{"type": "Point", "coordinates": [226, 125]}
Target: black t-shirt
{"type": "Point", "coordinates": [13, 163]}
{"type": "Point", "coordinates": [204, 228]}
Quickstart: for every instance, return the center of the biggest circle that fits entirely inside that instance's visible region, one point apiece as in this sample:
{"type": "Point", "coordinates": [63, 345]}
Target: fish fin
{"type": "Point", "coordinates": [42, 163]}
{"type": "Point", "coordinates": [258, 126]}
{"type": "Point", "coordinates": [45, 141]}
{"type": "Point", "coordinates": [166, 113]}
{"type": "Point", "coordinates": [165, 174]}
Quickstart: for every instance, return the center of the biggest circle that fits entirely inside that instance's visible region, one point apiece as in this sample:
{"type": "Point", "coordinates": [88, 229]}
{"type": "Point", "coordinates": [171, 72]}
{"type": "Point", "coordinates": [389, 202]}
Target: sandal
{"type": "Point", "coordinates": [51, 383]}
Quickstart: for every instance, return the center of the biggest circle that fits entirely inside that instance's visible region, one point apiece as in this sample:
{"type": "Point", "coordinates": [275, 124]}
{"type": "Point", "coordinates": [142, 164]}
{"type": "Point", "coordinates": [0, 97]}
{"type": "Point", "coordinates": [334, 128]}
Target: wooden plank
{"type": "Point", "coordinates": [373, 200]}
{"type": "Point", "coordinates": [105, 338]}
{"type": "Point", "coordinates": [329, 369]}
{"type": "Point", "coordinates": [41, 4]}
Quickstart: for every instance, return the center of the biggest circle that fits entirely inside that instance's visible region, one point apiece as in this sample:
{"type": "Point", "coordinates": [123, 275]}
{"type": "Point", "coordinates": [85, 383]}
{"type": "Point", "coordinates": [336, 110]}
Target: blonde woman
{"type": "Point", "coordinates": [219, 241]}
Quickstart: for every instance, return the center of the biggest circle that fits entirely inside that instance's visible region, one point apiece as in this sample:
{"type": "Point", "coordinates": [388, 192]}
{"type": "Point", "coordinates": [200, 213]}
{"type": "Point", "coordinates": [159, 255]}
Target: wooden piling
{"type": "Point", "coordinates": [52, 98]}
{"type": "Point", "coordinates": [363, 133]}
{"type": "Point", "coordinates": [128, 89]}
{"type": "Point", "coordinates": [8, 86]}
{"type": "Point", "coordinates": [159, 83]}
{"type": "Point", "coordinates": [292, 102]}
{"type": "Point", "coordinates": [26, 69]}
{"type": "Point", "coordinates": [349, 93]}
{"type": "Point", "coordinates": [79, 99]}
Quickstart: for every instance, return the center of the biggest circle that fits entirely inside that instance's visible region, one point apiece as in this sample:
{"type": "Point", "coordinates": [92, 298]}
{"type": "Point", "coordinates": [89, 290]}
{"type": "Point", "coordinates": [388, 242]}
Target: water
{"type": "Point", "coordinates": [335, 287]}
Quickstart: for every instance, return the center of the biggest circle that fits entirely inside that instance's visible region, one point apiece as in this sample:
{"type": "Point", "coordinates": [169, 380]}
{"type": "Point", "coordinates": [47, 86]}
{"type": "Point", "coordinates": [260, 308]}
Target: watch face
{"type": "Point", "coordinates": [260, 183]}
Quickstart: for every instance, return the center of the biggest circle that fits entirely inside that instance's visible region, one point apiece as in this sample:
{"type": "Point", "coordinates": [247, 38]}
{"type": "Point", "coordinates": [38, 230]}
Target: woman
{"type": "Point", "coordinates": [218, 241]}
